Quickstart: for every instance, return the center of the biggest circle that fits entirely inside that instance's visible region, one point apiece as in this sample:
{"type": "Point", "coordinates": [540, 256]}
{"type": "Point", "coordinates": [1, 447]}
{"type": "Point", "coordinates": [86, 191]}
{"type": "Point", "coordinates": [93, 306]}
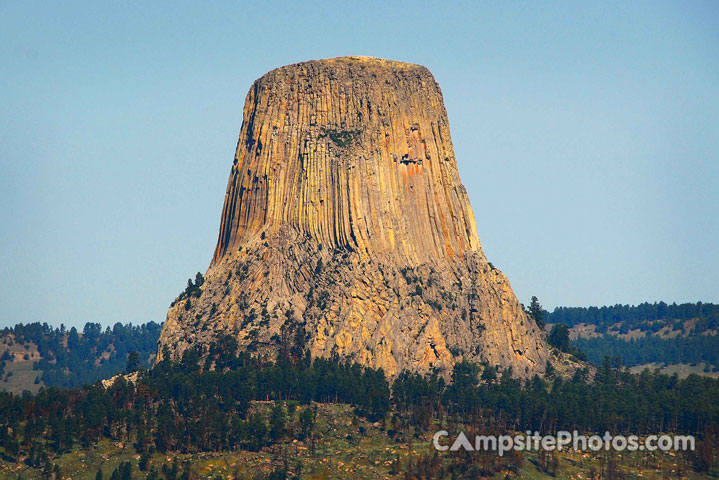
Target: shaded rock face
{"type": "Point", "coordinates": [345, 218]}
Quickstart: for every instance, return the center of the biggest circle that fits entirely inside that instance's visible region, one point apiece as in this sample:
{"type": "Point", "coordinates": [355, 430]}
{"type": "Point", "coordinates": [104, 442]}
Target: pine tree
{"type": "Point", "coordinates": [144, 461]}
{"type": "Point", "coordinates": [258, 431]}
{"type": "Point", "coordinates": [307, 421]}
{"type": "Point", "coordinates": [277, 422]}
{"type": "Point", "coordinates": [559, 337]}
{"type": "Point", "coordinates": [133, 362]}
{"type": "Point", "coordinates": [536, 312]}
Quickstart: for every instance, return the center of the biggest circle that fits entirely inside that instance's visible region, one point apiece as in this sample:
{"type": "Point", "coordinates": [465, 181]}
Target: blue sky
{"type": "Point", "coordinates": [587, 135]}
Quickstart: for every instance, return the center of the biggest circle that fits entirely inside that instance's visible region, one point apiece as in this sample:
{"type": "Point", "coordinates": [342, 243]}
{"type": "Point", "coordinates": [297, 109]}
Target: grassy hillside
{"type": "Point", "coordinates": [681, 336]}
{"type": "Point", "coordinates": [36, 355]}
{"type": "Point", "coordinates": [645, 317]}
{"type": "Point", "coordinates": [683, 370]}
{"type": "Point", "coordinates": [256, 418]}
{"type": "Point", "coordinates": [346, 446]}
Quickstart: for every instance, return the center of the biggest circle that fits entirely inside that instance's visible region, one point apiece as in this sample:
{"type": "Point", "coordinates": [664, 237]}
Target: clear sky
{"type": "Point", "coordinates": [587, 134]}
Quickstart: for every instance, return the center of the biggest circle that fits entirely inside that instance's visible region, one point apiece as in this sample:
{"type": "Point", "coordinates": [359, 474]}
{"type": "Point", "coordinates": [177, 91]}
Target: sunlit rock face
{"type": "Point", "coordinates": [345, 217]}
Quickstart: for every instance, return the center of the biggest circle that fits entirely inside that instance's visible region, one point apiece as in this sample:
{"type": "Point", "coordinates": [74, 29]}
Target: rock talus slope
{"type": "Point", "coordinates": [345, 220]}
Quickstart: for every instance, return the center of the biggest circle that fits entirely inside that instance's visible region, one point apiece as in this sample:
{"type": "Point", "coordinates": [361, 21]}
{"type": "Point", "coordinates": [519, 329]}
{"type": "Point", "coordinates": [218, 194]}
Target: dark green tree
{"type": "Point", "coordinates": [536, 311]}
{"type": "Point", "coordinates": [133, 362]}
{"type": "Point", "coordinates": [549, 370]}
{"type": "Point", "coordinates": [258, 431]}
{"type": "Point", "coordinates": [489, 374]}
{"type": "Point", "coordinates": [277, 422]}
{"type": "Point", "coordinates": [559, 337]}
{"type": "Point", "coordinates": [144, 461]}
{"type": "Point", "coordinates": [307, 421]}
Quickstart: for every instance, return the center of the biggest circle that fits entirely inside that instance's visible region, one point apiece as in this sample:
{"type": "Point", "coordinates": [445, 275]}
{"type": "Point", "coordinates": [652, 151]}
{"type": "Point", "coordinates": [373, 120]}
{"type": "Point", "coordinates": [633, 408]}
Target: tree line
{"type": "Point", "coordinates": [186, 406]}
{"type": "Point", "coordinates": [69, 358]}
{"type": "Point", "coordinates": [482, 400]}
{"type": "Point", "coordinates": [621, 402]}
{"type": "Point", "coordinates": [647, 317]}
{"type": "Point", "coordinates": [653, 349]}
{"type": "Point", "coordinates": [204, 403]}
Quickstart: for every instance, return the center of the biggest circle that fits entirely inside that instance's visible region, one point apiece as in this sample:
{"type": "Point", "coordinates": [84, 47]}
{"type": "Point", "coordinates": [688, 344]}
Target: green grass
{"type": "Point", "coordinates": [22, 378]}
{"type": "Point", "coordinates": [22, 375]}
{"type": "Point", "coordinates": [341, 138]}
{"type": "Point", "coordinates": [683, 370]}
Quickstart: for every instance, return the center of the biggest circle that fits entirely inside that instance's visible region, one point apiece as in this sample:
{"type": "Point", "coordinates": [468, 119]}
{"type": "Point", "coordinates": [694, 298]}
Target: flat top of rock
{"type": "Point", "coordinates": [364, 63]}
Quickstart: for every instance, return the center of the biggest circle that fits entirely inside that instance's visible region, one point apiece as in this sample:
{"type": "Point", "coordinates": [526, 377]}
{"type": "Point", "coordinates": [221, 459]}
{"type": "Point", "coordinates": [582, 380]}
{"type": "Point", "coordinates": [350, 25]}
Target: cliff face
{"type": "Point", "coordinates": [345, 217]}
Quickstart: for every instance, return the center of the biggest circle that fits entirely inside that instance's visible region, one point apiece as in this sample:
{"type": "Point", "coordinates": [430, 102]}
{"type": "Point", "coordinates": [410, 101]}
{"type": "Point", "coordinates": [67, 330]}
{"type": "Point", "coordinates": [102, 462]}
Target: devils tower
{"type": "Point", "coordinates": [346, 229]}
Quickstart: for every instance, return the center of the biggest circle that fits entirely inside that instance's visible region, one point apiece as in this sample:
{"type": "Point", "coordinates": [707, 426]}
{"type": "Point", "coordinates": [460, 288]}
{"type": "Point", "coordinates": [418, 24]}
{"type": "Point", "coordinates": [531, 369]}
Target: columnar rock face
{"type": "Point", "coordinates": [345, 219]}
